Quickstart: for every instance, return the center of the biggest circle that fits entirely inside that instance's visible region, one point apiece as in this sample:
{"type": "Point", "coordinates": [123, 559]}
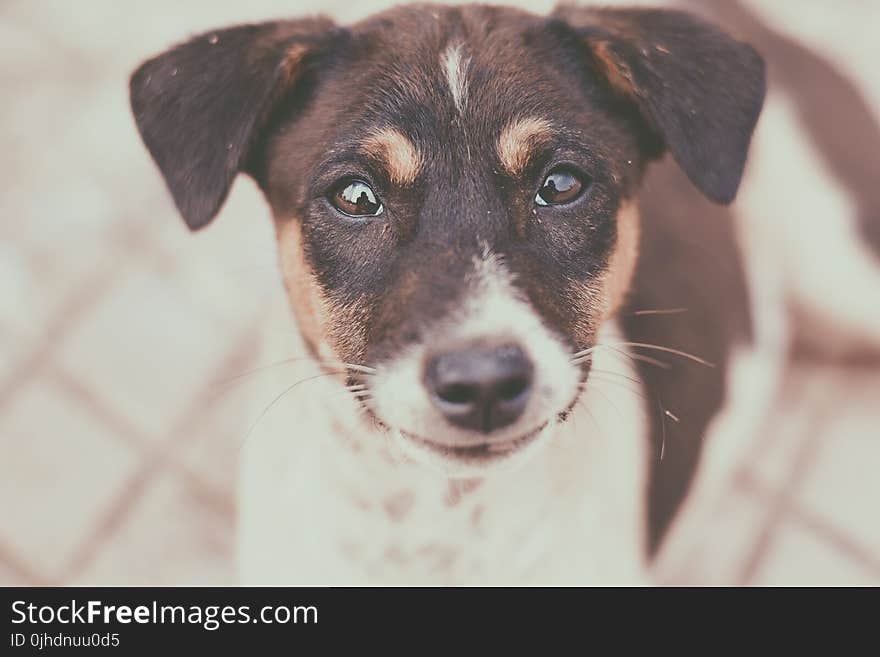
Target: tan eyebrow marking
{"type": "Point", "coordinates": [518, 139]}
{"type": "Point", "coordinates": [399, 154]}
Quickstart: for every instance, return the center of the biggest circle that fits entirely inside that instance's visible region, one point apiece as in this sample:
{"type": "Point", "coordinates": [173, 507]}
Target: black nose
{"type": "Point", "coordinates": [480, 387]}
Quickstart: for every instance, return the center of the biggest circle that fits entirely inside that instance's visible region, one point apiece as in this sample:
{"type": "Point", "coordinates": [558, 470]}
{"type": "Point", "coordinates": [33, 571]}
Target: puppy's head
{"type": "Point", "coordinates": [453, 189]}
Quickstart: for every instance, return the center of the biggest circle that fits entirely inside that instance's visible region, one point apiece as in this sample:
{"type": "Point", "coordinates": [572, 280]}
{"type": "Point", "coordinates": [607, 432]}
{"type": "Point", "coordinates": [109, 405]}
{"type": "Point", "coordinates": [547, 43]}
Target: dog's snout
{"type": "Point", "coordinates": [480, 387]}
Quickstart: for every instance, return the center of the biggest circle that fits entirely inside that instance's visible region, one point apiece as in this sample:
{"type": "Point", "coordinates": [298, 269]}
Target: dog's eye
{"type": "Point", "coordinates": [356, 198]}
{"type": "Point", "coordinates": [559, 187]}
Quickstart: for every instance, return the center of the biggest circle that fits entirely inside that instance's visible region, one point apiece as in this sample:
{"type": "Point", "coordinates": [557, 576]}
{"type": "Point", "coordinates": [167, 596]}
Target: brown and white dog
{"type": "Point", "coordinates": [524, 312]}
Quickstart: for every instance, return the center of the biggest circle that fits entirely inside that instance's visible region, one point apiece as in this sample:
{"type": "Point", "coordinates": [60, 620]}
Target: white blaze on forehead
{"type": "Point", "coordinates": [455, 65]}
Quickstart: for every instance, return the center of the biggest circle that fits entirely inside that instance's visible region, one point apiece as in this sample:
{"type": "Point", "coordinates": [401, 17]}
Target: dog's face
{"type": "Point", "coordinates": [453, 190]}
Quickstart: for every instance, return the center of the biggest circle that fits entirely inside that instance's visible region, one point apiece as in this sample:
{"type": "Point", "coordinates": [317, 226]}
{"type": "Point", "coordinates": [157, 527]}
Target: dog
{"type": "Point", "coordinates": [505, 244]}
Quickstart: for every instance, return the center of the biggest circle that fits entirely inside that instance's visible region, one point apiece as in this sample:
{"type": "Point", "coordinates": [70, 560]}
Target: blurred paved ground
{"type": "Point", "coordinates": [121, 336]}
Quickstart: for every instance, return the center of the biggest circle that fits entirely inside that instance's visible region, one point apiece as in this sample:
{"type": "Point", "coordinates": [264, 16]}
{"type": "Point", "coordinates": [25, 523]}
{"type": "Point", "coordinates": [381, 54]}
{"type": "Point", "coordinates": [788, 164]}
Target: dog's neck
{"type": "Point", "coordinates": [357, 510]}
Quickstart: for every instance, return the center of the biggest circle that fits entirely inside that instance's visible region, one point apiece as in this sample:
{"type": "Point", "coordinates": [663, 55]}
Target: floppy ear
{"type": "Point", "coordinates": [200, 105]}
{"type": "Point", "coordinates": [698, 88]}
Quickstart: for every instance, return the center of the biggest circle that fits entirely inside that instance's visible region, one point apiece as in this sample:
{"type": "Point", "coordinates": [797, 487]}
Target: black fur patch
{"type": "Point", "coordinates": [200, 106]}
{"type": "Point", "coordinates": [699, 88]}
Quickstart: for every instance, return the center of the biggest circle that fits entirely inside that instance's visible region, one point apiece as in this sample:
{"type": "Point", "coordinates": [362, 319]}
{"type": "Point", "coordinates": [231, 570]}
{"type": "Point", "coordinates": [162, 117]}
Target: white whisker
{"type": "Point", "coordinates": [583, 405]}
{"type": "Point", "coordinates": [584, 352]}
{"type": "Point", "coordinates": [278, 398]}
{"type": "Point", "coordinates": [652, 361]}
{"type": "Point", "coordinates": [668, 311]}
{"type": "Point", "coordinates": [668, 350]}
{"type": "Point", "coordinates": [600, 379]}
{"type": "Point", "coordinates": [582, 356]}
{"type": "Point", "coordinates": [364, 369]}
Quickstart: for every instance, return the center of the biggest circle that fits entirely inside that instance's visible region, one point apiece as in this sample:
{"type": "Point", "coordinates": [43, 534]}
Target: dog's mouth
{"type": "Point", "coordinates": [482, 452]}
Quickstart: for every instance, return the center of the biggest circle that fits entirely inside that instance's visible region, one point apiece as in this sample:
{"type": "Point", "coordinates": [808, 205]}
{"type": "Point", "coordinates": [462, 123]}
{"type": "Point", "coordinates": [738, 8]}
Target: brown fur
{"type": "Point", "coordinates": [517, 141]}
{"type": "Point", "coordinates": [622, 265]}
{"type": "Point", "coordinates": [291, 63]}
{"type": "Point", "coordinates": [398, 505]}
{"type": "Point", "coordinates": [330, 330]}
{"type": "Point", "coordinates": [399, 155]}
{"type": "Point", "coordinates": [616, 72]}
{"type": "Point", "coordinates": [302, 290]}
